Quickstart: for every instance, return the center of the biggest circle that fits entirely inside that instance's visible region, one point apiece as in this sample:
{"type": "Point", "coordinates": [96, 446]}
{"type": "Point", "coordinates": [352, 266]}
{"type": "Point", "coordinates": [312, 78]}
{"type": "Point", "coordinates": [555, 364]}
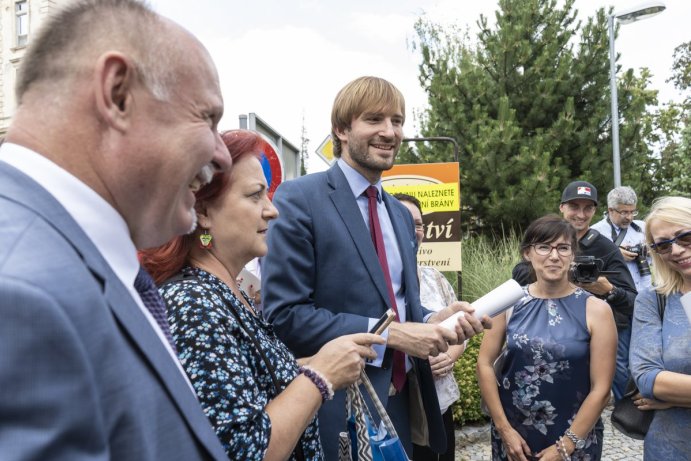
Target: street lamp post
{"type": "Point", "coordinates": [637, 13]}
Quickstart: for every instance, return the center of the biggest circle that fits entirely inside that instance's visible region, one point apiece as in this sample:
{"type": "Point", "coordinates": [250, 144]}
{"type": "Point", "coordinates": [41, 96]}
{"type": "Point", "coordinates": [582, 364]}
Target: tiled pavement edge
{"type": "Point", "coordinates": [472, 443]}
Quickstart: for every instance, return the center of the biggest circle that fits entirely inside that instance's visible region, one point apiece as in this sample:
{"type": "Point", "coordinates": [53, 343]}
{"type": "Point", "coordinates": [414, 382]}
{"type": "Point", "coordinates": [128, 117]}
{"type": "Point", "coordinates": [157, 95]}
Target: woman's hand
{"type": "Point", "coordinates": [649, 404]}
{"type": "Point", "coordinates": [516, 447]}
{"type": "Point", "coordinates": [341, 360]}
{"type": "Point", "coordinates": [551, 453]}
{"type": "Point", "coordinates": [442, 364]}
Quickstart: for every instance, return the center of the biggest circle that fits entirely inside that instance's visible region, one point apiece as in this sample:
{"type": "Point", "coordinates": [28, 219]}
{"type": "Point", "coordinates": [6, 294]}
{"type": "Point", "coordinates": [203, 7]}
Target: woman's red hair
{"type": "Point", "coordinates": [167, 260]}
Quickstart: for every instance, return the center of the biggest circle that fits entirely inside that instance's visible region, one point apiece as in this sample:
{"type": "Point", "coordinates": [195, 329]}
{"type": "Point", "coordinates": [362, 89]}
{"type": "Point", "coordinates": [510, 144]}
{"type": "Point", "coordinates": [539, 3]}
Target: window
{"type": "Point", "coordinates": [21, 11]}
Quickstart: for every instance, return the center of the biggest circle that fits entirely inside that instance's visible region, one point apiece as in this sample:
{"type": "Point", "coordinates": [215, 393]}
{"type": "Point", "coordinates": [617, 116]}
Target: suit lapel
{"type": "Point", "coordinates": [347, 207]}
{"type": "Point", "coordinates": [18, 187]}
{"type": "Point", "coordinates": [132, 320]}
{"type": "Point", "coordinates": [406, 248]}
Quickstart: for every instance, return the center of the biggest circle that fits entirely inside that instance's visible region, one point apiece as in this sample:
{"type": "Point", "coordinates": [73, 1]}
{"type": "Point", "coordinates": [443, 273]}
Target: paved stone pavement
{"type": "Point", "coordinates": [472, 443]}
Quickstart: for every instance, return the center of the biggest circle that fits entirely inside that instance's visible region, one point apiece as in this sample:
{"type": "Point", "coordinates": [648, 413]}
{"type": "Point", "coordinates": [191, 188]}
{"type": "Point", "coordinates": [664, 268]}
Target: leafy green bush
{"type": "Point", "coordinates": [487, 263]}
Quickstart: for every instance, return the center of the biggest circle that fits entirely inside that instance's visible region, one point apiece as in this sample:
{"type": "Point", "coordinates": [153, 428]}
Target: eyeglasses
{"type": "Point", "coordinates": [419, 226]}
{"type": "Point", "coordinates": [665, 246]}
{"type": "Point", "coordinates": [543, 249]}
{"type": "Point", "coordinates": [626, 213]}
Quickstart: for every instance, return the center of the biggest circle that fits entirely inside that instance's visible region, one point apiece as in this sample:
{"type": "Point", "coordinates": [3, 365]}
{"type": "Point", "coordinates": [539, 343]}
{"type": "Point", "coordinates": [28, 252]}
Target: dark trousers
{"type": "Point", "coordinates": [621, 373]}
{"type": "Point", "coordinates": [426, 454]}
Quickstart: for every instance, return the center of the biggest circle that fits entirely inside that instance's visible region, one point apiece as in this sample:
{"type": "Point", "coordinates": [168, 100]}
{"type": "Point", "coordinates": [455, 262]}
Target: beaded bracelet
{"type": "Point", "coordinates": [561, 449]}
{"type": "Point", "coordinates": [325, 387]}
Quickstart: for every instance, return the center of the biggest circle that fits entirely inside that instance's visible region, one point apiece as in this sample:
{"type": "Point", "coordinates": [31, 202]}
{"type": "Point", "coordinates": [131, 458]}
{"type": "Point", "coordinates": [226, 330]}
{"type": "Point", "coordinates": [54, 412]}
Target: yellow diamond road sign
{"type": "Point", "coordinates": [326, 150]}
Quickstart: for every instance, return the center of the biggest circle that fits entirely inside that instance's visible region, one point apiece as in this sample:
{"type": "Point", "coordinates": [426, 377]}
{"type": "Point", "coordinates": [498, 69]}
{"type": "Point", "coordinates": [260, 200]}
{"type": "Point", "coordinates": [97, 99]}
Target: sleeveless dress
{"type": "Point", "coordinates": [546, 375]}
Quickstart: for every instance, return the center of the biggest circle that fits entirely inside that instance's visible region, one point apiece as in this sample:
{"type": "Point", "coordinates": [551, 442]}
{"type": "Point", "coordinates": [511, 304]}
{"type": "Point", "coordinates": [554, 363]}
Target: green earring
{"type": "Point", "coordinates": [205, 239]}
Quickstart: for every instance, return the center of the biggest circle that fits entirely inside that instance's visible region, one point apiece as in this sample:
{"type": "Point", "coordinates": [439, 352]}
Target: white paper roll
{"type": "Point", "coordinates": [493, 303]}
{"type": "Point", "coordinates": [686, 303]}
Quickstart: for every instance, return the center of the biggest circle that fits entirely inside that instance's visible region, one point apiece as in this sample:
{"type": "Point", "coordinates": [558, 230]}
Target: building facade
{"type": "Point", "coordinates": [19, 20]}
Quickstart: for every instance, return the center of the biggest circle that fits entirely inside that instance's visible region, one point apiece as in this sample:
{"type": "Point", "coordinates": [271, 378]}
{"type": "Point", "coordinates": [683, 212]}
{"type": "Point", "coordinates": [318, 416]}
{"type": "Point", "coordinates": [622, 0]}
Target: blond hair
{"type": "Point", "coordinates": [359, 96]}
{"type": "Point", "coordinates": [672, 210]}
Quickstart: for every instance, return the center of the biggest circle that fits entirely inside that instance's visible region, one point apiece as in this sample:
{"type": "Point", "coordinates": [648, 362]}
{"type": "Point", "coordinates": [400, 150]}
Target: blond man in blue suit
{"type": "Point", "coordinates": [114, 132]}
{"type": "Point", "coordinates": [322, 277]}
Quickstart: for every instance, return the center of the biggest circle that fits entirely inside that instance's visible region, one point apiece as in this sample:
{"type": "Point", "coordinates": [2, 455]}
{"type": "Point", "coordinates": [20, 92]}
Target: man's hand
{"type": "Point", "coordinates": [600, 287]}
{"type": "Point", "coordinates": [429, 339]}
{"type": "Point", "coordinates": [420, 339]}
{"type": "Point", "coordinates": [470, 326]}
{"type": "Point", "coordinates": [628, 255]}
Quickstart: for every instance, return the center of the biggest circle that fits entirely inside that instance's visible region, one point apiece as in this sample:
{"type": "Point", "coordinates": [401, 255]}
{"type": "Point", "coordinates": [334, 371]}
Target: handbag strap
{"type": "Point", "coordinates": [255, 342]}
{"type": "Point", "coordinates": [357, 409]}
{"type": "Point", "coordinates": [378, 406]}
{"type": "Point", "coordinates": [299, 452]}
{"type": "Point", "coordinates": [661, 304]}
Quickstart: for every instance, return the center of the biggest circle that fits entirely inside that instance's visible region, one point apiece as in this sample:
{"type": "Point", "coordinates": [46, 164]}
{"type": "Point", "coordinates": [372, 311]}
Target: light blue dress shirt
{"type": "Point", "coordinates": [358, 184]}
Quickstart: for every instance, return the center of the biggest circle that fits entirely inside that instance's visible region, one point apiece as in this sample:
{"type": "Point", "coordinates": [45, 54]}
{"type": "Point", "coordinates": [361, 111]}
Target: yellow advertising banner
{"type": "Point", "coordinates": [433, 197]}
{"type": "Point", "coordinates": [436, 186]}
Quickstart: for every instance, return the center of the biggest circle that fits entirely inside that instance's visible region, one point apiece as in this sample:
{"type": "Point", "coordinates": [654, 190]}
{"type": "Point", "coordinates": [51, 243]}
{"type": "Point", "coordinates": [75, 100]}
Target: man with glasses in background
{"type": "Point", "coordinates": [578, 205]}
{"type": "Point", "coordinates": [627, 233]}
{"type": "Point", "coordinates": [629, 236]}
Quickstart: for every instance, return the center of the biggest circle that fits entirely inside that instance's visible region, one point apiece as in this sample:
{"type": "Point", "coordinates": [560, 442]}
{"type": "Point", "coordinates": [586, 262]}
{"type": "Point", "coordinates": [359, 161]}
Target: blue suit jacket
{"type": "Point", "coordinates": [83, 376]}
{"type": "Point", "coordinates": [321, 279]}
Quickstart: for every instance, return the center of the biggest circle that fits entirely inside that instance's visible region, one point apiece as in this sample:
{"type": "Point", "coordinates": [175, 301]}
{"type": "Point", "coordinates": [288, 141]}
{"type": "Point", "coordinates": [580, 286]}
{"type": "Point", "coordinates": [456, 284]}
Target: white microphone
{"type": "Point", "coordinates": [686, 304]}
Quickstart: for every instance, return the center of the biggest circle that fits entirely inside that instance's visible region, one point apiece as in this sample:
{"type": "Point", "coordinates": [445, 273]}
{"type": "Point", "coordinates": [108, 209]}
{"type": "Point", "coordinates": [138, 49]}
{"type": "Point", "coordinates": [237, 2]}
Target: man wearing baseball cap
{"type": "Point", "coordinates": [578, 205]}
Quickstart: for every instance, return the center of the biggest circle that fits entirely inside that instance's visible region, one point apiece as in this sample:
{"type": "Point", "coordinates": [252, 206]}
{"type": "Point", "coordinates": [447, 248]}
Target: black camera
{"type": "Point", "coordinates": [641, 258]}
{"type": "Point", "coordinates": [585, 269]}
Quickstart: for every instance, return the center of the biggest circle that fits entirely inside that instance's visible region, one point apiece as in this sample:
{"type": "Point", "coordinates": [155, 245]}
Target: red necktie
{"type": "Point", "coordinates": [398, 377]}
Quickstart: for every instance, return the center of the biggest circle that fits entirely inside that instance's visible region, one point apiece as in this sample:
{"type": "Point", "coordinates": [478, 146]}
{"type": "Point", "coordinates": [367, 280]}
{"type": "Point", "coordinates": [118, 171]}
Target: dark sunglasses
{"type": "Point", "coordinates": [665, 246]}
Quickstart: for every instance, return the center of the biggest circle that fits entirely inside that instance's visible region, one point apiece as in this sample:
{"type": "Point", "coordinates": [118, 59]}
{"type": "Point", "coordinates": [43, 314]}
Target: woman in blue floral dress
{"type": "Point", "coordinates": [561, 342]}
{"type": "Point", "coordinates": [261, 402]}
{"type": "Point", "coordinates": [660, 358]}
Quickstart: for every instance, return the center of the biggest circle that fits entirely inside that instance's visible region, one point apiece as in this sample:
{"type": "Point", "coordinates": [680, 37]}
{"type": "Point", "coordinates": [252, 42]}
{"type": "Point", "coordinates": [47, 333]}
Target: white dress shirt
{"type": "Point", "coordinates": [104, 226]}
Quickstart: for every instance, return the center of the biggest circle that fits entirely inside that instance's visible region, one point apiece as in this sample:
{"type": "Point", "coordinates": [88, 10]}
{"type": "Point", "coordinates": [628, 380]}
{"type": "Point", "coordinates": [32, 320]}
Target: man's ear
{"type": "Point", "coordinates": [341, 134]}
{"type": "Point", "coordinates": [115, 77]}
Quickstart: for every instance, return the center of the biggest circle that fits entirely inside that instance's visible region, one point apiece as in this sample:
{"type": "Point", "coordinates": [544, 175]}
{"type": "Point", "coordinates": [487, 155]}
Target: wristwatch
{"type": "Point", "coordinates": [578, 442]}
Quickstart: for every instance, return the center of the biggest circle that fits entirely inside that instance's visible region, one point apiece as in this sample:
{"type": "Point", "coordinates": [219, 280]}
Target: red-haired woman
{"type": "Point", "coordinates": [260, 401]}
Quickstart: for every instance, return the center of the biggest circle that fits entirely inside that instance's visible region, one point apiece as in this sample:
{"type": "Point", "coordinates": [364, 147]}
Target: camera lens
{"type": "Point", "coordinates": [642, 264]}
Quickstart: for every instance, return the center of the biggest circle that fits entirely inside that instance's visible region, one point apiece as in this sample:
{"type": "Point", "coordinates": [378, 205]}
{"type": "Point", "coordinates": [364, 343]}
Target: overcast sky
{"type": "Point", "coordinates": [287, 59]}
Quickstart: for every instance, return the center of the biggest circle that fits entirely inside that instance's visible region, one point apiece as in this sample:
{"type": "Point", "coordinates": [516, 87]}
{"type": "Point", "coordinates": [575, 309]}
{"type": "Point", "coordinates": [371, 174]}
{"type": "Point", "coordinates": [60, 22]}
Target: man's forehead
{"type": "Point", "coordinates": [391, 110]}
{"type": "Point", "coordinates": [580, 202]}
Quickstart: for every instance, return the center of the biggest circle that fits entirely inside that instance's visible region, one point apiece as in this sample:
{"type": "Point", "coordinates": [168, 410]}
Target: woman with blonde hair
{"type": "Point", "coordinates": [660, 360]}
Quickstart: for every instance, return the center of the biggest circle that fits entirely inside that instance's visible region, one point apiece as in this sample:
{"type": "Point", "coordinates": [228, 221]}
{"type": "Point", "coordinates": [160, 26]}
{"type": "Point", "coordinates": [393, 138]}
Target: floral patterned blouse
{"type": "Point", "coordinates": [435, 294]}
{"type": "Point", "coordinates": [546, 375]}
{"type": "Point", "coordinates": [229, 375]}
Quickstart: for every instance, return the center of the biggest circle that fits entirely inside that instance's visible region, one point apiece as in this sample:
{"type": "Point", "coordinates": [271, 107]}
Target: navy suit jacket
{"type": "Point", "coordinates": [83, 375]}
{"type": "Point", "coordinates": [321, 279]}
